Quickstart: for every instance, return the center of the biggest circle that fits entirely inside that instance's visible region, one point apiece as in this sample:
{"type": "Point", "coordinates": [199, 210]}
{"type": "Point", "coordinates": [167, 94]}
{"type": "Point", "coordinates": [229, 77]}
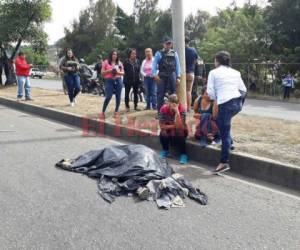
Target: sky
{"type": "Point", "coordinates": [64, 11]}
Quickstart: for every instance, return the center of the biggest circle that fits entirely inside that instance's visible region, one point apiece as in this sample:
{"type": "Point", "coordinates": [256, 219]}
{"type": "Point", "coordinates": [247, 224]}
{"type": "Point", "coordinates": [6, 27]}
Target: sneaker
{"type": "Point", "coordinates": [72, 104]}
{"type": "Point", "coordinates": [224, 168]}
{"type": "Point", "coordinates": [164, 154]}
{"type": "Point", "coordinates": [19, 99]}
{"type": "Point", "coordinates": [28, 98]}
{"type": "Point", "coordinates": [203, 142]}
{"type": "Point", "coordinates": [183, 159]}
{"type": "Point", "coordinates": [75, 100]}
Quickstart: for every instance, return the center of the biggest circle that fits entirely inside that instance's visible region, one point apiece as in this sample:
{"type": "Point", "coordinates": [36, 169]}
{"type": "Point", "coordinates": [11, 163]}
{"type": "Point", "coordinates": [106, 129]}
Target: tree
{"type": "Point", "coordinates": [21, 20]}
{"type": "Point", "coordinates": [95, 25]}
{"type": "Point", "coordinates": [196, 25]}
{"type": "Point", "coordinates": [283, 15]}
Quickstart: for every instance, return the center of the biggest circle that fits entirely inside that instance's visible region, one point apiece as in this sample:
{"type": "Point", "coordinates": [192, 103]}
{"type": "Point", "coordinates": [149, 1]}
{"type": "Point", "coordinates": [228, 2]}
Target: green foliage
{"type": "Point", "coordinates": [34, 57]}
{"type": "Point", "coordinates": [24, 19]}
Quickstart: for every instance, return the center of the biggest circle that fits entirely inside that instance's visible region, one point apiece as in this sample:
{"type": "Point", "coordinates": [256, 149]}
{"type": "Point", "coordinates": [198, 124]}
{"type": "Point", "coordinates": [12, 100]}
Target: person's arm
{"type": "Point", "coordinates": [178, 70]}
{"type": "Point", "coordinates": [196, 108]}
{"type": "Point", "coordinates": [22, 65]}
{"type": "Point", "coordinates": [215, 110]}
{"type": "Point", "coordinates": [211, 86]}
{"type": "Point", "coordinates": [155, 63]}
{"type": "Point", "coordinates": [242, 86]}
{"type": "Point", "coordinates": [143, 73]}
{"type": "Point", "coordinates": [164, 126]}
{"type": "Point", "coordinates": [120, 71]}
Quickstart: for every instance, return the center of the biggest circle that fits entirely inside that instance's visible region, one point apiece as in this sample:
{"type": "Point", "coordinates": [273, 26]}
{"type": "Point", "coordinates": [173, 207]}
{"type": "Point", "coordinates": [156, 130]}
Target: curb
{"type": "Point", "coordinates": [247, 165]}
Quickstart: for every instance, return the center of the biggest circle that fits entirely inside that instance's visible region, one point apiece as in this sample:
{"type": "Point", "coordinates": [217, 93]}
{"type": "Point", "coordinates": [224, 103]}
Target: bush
{"type": "Point", "coordinates": [297, 93]}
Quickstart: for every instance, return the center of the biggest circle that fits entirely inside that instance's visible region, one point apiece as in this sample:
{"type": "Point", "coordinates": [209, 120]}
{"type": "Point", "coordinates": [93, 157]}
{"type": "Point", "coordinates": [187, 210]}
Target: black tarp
{"type": "Point", "coordinates": [122, 170]}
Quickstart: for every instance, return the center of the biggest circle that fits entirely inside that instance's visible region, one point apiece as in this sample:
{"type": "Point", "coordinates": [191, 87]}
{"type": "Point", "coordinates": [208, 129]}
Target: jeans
{"type": "Point", "coordinates": [176, 139]}
{"type": "Point", "coordinates": [226, 112]}
{"type": "Point", "coordinates": [166, 85]}
{"type": "Point", "coordinates": [128, 87]}
{"type": "Point", "coordinates": [150, 87]}
{"type": "Point", "coordinates": [287, 90]}
{"type": "Point", "coordinates": [113, 86]}
{"type": "Point", "coordinates": [23, 82]}
{"type": "Point", "coordinates": [73, 83]}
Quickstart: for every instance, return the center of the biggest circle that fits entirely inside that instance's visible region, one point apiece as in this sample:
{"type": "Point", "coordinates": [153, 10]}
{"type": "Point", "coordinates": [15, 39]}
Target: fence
{"type": "Point", "coordinates": [265, 78]}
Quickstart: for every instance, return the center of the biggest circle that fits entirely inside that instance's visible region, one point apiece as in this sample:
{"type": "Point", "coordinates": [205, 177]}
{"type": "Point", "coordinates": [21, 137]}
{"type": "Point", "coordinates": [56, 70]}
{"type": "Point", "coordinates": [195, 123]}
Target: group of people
{"type": "Point", "coordinates": [218, 103]}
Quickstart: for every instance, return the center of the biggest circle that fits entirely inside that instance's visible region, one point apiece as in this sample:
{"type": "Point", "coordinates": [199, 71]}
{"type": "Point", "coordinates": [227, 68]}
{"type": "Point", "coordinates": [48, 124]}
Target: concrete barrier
{"type": "Point", "coordinates": [251, 166]}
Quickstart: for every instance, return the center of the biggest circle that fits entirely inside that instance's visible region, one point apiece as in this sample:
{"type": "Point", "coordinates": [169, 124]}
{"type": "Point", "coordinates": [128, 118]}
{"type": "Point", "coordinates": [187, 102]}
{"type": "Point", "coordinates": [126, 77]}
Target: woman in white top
{"type": "Point", "coordinates": [149, 83]}
{"type": "Point", "coordinates": [225, 85]}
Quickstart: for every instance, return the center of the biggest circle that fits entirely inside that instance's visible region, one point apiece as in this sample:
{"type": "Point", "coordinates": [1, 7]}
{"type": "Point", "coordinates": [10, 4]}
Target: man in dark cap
{"type": "Point", "coordinates": [166, 71]}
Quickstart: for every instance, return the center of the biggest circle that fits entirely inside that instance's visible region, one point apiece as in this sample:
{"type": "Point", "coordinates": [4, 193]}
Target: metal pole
{"type": "Point", "coordinates": [179, 45]}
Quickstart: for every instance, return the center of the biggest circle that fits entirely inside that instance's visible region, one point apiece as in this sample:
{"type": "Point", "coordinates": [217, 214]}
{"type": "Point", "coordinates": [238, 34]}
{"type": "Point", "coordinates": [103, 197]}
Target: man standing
{"type": "Point", "coordinates": [23, 72]}
{"type": "Point", "coordinates": [191, 57]}
{"type": "Point", "coordinates": [166, 71]}
{"type": "Point", "coordinates": [288, 84]}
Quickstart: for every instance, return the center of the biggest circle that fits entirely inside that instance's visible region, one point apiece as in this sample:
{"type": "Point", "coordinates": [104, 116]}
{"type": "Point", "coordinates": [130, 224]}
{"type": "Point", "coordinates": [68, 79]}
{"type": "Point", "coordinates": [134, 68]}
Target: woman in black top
{"type": "Point", "coordinates": [131, 78]}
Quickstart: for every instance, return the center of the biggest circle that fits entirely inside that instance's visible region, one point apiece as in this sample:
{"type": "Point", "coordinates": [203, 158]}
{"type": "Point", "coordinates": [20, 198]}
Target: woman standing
{"type": "Point", "coordinates": [112, 71]}
{"type": "Point", "coordinates": [225, 85]}
{"type": "Point", "coordinates": [131, 78]}
{"type": "Point", "coordinates": [149, 83]}
{"type": "Point", "coordinates": [70, 66]}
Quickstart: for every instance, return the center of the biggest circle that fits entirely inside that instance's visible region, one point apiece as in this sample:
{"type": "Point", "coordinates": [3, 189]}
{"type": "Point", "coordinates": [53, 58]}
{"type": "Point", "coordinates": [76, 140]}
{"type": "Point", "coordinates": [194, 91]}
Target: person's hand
{"type": "Point", "coordinates": [157, 79]}
{"type": "Point", "coordinates": [69, 68]}
{"type": "Point", "coordinates": [177, 81]}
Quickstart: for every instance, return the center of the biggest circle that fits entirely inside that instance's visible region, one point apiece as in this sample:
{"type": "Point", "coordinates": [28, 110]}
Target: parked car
{"type": "Point", "coordinates": [37, 73]}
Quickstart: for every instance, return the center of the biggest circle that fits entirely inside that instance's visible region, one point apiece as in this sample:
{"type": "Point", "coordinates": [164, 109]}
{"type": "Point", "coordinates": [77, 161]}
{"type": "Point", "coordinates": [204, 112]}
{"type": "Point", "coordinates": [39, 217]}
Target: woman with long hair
{"type": "Point", "coordinates": [132, 78]}
{"type": "Point", "coordinates": [70, 66]}
{"type": "Point", "coordinates": [226, 87]}
{"type": "Point", "coordinates": [112, 71]}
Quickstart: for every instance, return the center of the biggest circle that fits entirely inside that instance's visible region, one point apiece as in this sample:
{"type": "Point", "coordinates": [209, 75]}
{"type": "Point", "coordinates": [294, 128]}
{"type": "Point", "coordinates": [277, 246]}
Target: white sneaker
{"type": "Point", "coordinates": [74, 100]}
{"type": "Point", "coordinates": [72, 104]}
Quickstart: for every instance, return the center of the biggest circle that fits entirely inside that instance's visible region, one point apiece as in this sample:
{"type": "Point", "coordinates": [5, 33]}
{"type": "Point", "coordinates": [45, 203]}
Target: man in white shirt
{"type": "Point", "coordinates": [225, 85]}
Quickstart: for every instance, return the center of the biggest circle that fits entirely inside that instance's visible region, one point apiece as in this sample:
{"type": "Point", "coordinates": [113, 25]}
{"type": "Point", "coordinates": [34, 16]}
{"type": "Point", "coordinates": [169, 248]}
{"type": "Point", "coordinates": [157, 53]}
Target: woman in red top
{"type": "Point", "coordinates": [112, 71]}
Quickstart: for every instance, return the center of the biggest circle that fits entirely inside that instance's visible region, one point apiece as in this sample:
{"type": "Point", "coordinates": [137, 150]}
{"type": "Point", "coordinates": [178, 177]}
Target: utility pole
{"type": "Point", "coordinates": [179, 45]}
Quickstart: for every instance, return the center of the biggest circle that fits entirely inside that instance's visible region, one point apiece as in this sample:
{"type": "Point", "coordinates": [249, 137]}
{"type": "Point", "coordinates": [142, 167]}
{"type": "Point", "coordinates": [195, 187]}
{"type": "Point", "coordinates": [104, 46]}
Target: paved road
{"type": "Point", "coordinates": [46, 208]}
{"type": "Point", "coordinates": [272, 109]}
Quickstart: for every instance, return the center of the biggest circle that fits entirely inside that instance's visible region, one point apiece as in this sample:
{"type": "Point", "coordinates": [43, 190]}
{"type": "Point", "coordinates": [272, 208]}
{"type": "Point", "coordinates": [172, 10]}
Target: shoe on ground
{"type": "Point", "coordinates": [232, 147]}
{"type": "Point", "coordinates": [164, 154]}
{"type": "Point", "coordinates": [183, 159]}
{"type": "Point", "coordinates": [75, 100]}
{"type": "Point", "coordinates": [28, 98]}
{"type": "Point", "coordinates": [137, 109]}
{"type": "Point", "coordinates": [19, 99]}
{"type": "Point", "coordinates": [72, 104]}
{"type": "Point", "coordinates": [225, 167]}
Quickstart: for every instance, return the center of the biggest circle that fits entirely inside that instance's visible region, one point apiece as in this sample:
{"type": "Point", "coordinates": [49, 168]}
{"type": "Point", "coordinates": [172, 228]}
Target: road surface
{"type": "Point", "coordinates": [46, 208]}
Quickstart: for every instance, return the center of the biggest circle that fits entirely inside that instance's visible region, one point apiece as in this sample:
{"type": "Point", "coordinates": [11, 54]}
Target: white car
{"type": "Point", "coordinates": [36, 73]}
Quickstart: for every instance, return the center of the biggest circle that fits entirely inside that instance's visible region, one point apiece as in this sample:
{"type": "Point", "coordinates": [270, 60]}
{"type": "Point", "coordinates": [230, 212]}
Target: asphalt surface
{"type": "Point", "coordinates": [46, 208]}
{"type": "Point", "coordinates": [272, 109]}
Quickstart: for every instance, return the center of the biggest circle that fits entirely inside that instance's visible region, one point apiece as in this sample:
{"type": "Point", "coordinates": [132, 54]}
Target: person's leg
{"type": "Point", "coordinates": [76, 85]}
{"type": "Point", "coordinates": [189, 86]}
{"type": "Point", "coordinates": [135, 93]}
{"type": "Point", "coordinates": [148, 94]}
{"type": "Point", "coordinates": [69, 81]}
{"type": "Point", "coordinates": [180, 142]}
{"type": "Point", "coordinates": [285, 93]}
{"type": "Point", "coordinates": [108, 93]}
{"type": "Point", "coordinates": [152, 92]}
{"type": "Point", "coordinates": [172, 84]}
{"type": "Point", "coordinates": [161, 91]}
{"type": "Point", "coordinates": [119, 87]}
{"type": "Point", "coordinates": [127, 92]}
{"type": "Point", "coordinates": [165, 141]}
{"type": "Point", "coordinates": [288, 92]}
{"type": "Point", "coordinates": [20, 81]}
{"type": "Point", "coordinates": [27, 87]}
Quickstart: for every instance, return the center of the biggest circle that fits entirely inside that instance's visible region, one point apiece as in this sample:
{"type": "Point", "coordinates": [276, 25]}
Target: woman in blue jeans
{"type": "Point", "coordinates": [112, 71]}
{"type": "Point", "coordinates": [70, 66]}
{"type": "Point", "coordinates": [149, 83]}
{"type": "Point", "coordinates": [225, 85]}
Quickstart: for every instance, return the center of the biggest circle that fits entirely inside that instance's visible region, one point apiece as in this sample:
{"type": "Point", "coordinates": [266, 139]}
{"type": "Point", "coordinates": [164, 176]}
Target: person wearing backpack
{"type": "Point", "coordinates": [166, 71]}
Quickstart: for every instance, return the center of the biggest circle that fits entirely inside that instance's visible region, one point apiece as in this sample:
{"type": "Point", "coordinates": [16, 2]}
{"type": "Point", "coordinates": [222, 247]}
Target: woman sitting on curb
{"type": "Point", "coordinates": [173, 128]}
{"type": "Point", "coordinates": [206, 111]}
